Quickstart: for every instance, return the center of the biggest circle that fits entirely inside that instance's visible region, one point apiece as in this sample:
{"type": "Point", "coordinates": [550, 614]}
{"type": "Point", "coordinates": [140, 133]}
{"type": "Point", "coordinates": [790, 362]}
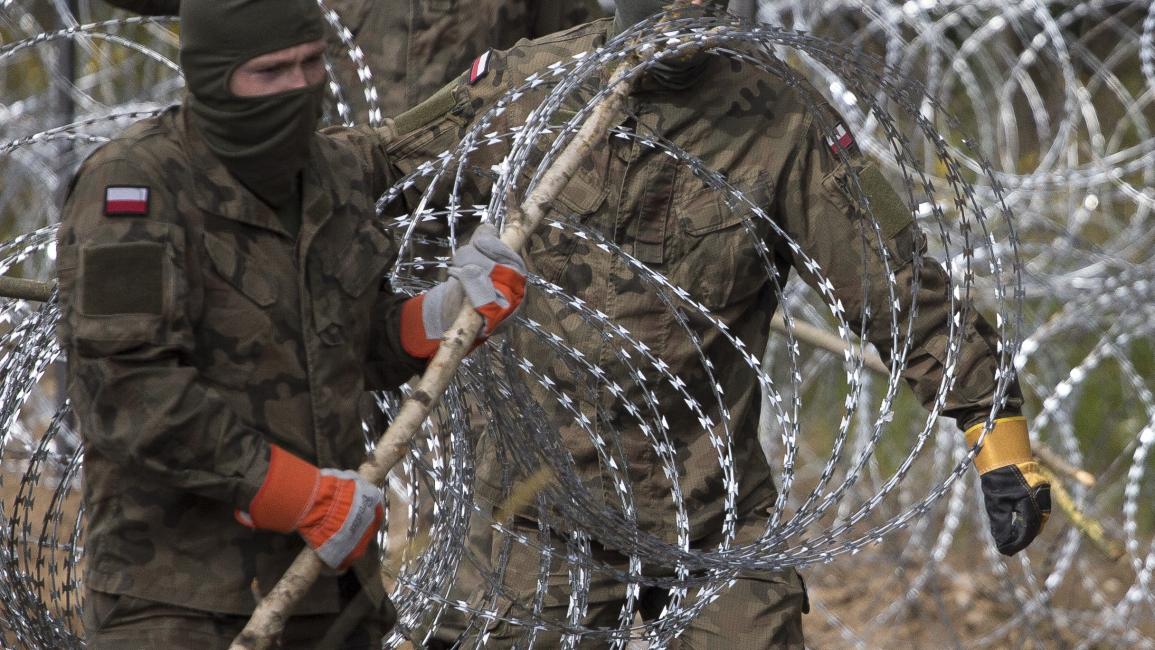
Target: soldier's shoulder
{"type": "Point", "coordinates": [592, 30]}
{"type": "Point", "coordinates": [143, 146]}
{"type": "Point", "coordinates": [131, 164]}
{"type": "Point", "coordinates": [532, 55]}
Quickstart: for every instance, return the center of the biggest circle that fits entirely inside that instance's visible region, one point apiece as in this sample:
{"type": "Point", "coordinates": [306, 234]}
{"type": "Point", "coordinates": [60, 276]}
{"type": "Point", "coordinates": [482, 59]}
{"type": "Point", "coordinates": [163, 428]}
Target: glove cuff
{"type": "Point", "coordinates": [1006, 444]}
{"type": "Point", "coordinates": [288, 490]}
{"type": "Point", "coordinates": [414, 339]}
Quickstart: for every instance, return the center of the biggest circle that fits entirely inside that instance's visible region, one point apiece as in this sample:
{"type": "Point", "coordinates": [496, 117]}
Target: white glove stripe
{"type": "Point", "coordinates": [366, 498]}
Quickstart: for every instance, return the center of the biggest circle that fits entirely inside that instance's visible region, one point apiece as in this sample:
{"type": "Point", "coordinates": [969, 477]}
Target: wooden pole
{"type": "Point", "coordinates": [22, 289]}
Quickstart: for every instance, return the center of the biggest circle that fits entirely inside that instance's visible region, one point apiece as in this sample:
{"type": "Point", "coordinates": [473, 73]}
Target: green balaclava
{"type": "Point", "coordinates": [263, 141]}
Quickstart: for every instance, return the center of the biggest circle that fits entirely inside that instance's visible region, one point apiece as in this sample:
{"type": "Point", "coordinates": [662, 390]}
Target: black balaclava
{"type": "Point", "coordinates": [263, 141]}
{"type": "Point", "coordinates": [672, 73]}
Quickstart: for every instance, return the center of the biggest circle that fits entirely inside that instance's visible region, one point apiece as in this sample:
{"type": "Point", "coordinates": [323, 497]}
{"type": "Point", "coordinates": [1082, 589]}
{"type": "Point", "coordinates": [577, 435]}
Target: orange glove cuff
{"type": "Point", "coordinates": [288, 490]}
{"type": "Point", "coordinates": [1006, 444]}
{"type": "Point", "coordinates": [413, 338]}
{"type": "Point", "coordinates": [511, 284]}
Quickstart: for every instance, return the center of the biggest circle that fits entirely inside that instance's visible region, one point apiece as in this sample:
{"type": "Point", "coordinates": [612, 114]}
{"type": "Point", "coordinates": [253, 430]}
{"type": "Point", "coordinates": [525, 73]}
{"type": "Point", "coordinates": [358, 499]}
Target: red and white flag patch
{"type": "Point", "coordinates": [479, 68]}
{"type": "Point", "coordinates": [122, 200]}
{"type": "Point", "coordinates": [842, 138]}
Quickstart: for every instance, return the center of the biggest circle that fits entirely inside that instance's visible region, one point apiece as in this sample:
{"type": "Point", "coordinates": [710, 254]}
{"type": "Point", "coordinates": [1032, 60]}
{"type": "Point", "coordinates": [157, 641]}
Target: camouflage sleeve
{"type": "Point", "coordinates": [821, 213]}
{"type": "Point", "coordinates": [128, 339]}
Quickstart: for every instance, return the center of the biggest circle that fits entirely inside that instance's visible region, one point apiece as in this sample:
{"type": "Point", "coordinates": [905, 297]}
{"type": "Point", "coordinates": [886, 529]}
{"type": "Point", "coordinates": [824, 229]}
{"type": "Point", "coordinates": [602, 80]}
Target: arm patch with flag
{"type": "Point", "coordinates": [842, 139]}
{"type": "Point", "coordinates": [479, 69]}
{"type": "Point", "coordinates": [125, 201]}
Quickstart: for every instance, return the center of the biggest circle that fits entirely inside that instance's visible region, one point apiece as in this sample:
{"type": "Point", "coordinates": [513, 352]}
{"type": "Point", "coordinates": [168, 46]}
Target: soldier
{"type": "Point", "coordinates": [223, 309]}
{"type": "Point", "coordinates": [758, 131]}
{"type": "Point", "coordinates": [414, 47]}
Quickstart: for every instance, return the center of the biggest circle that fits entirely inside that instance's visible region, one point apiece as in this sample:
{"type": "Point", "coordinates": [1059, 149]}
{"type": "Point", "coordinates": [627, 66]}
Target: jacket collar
{"type": "Point", "coordinates": [220, 193]}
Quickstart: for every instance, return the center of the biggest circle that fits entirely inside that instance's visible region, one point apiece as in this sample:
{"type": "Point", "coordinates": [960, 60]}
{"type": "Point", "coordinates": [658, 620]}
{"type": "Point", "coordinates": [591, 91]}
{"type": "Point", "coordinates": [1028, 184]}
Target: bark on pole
{"type": "Point", "coordinates": [21, 289]}
{"type": "Point", "coordinates": [274, 609]}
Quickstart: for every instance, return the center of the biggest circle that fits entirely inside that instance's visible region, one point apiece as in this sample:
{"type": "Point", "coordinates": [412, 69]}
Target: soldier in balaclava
{"type": "Point", "coordinates": [224, 308]}
{"type": "Point", "coordinates": [794, 157]}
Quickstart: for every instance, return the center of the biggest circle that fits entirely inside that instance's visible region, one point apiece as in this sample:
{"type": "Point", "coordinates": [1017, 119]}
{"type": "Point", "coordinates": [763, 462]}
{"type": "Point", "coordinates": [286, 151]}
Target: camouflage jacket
{"type": "Point", "coordinates": [757, 131]}
{"type": "Point", "coordinates": [197, 332]}
{"type": "Point", "coordinates": [414, 47]}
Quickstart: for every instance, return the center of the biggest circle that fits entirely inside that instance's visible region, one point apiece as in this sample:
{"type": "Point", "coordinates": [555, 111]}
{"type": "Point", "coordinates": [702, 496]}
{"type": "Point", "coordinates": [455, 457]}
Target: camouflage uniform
{"type": "Point", "coordinates": [414, 47]}
{"type": "Point", "coordinates": [197, 333]}
{"type": "Point", "coordinates": [757, 130]}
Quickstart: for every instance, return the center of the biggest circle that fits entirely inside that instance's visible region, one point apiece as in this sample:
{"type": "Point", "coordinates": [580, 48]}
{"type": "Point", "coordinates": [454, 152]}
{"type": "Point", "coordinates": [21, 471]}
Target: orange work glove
{"type": "Point", "coordinates": [1016, 494]}
{"type": "Point", "coordinates": [488, 273]}
{"type": "Point", "coordinates": [337, 511]}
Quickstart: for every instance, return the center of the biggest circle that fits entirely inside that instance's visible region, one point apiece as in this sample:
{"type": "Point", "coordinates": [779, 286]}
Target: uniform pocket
{"type": "Point", "coordinates": [238, 271]}
{"type": "Point", "coordinates": [343, 315]}
{"type": "Point", "coordinates": [66, 261]}
{"type": "Point", "coordinates": [551, 247]}
{"type": "Point", "coordinates": [99, 609]}
{"type": "Point", "coordinates": [123, 292]}
{"type": "Point", "coordinates": [717, 260]}
{"type": "Point", "coordinates": [364, 266]}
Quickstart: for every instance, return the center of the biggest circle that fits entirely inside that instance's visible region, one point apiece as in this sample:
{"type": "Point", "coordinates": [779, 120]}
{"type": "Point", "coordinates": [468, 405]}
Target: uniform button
{"type": "Point", "coordinates": [331, 335]}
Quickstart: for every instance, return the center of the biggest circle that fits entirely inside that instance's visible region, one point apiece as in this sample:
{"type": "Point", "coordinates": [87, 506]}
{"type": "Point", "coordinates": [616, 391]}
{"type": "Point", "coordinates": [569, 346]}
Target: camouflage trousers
{"type": "Point", "coordinates": [760, 611]}
{"type": "Point", "coordinates": [116, 622]}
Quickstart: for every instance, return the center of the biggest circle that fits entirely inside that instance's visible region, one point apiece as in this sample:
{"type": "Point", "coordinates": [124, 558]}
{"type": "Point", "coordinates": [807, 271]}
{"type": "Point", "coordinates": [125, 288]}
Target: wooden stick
{"type": "Point", "coordinates": [22, 289]}
{"type": "Point", "coordinates": [274, 609]}
{"type": "Point", "coordinates": [1092, 529]}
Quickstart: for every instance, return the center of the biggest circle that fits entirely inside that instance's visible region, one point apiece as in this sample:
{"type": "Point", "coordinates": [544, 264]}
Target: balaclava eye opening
{"type": "Point", "coordinates": [263, 141]}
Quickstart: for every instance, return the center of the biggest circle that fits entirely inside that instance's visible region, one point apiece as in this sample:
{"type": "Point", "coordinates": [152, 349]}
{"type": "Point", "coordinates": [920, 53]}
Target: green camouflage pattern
{"type": "Point", "coordinates": [200, 333]}
{"type": "Point", "coordinates": [414, 47]}
{"type": "Point", "coordinates": [758, 131]}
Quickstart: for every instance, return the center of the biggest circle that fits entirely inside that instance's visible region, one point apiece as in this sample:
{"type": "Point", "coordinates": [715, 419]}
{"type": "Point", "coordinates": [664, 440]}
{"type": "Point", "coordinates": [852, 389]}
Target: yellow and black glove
{"type": "Point", "coordinates": [1017, 495]}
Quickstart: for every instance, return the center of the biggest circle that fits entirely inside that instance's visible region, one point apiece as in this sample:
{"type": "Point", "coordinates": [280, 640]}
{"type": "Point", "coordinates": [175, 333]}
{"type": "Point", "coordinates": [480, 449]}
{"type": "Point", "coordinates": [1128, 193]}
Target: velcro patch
{"type": "Point", "coordinates": [125, 200]}
{"type": "Point", "coordinates": [842, 138]}
{"type": "Point", "coordinates": [479, 68]}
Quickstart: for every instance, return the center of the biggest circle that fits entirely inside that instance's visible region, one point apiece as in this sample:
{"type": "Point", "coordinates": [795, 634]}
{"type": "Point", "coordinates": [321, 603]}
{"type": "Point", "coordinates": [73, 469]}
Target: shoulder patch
{"type": "Point", "coordinates": [841, 138]}
{"type": "Point", "coordinates": [125, 201]}
{"type": "Point", "coordinates": [479, 69]}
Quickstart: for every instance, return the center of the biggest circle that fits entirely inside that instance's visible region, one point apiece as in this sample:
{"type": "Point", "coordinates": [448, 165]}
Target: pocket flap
{"type": "Point", "coordinates": [238, 270]}
{"type": "Point", "coordinates": [370, 251]}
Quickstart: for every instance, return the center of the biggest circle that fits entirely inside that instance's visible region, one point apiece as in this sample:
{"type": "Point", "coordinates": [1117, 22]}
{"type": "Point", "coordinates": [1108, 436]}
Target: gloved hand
{"type": "Point", "coordinates": [488, 273]}
{"type": "Point", "coordinates": [336, 511]}
{"type": "Point", "coordinates": [1017, 495]}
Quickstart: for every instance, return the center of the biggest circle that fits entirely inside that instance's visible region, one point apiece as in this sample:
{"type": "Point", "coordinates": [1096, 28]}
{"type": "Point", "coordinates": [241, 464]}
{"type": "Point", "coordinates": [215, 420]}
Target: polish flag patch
{"type": "Point", "coordinates": [122, 200]}
{"type": "Point", "coordinates": [841, 140]}
{"type": "Point", "coordinates": [479, 68]}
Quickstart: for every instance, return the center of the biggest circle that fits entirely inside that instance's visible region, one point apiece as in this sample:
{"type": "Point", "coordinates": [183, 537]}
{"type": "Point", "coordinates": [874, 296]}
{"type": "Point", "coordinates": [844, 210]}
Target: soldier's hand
{"type": "Point", "coordinates": [487, 273]}
{"type": "Point", "coordinates": [1017, 495]}
{"type": "Point", "coordinates": [337, 512]}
